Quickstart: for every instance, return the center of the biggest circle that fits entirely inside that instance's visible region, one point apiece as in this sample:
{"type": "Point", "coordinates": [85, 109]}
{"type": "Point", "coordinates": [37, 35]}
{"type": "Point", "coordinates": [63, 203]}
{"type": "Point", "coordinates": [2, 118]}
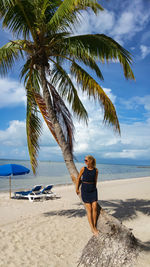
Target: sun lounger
{"type": "Point", "coordinates": [25, 194]}
{"type": "Point", "coordinates": [37, 193]}
{"type": "Point", "coordinates": [48, 192]}
{"type": "Point", "coordinates": [37, 196]}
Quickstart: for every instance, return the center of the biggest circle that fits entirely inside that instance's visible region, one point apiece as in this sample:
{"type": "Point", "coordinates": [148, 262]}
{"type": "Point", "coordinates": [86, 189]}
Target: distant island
{"type": "Point", "coordinates": [143, 166]}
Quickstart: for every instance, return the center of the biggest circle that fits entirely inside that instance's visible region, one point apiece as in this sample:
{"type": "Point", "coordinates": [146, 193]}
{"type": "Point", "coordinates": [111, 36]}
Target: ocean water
{"type": "Point", "coordinates": [56, 173]}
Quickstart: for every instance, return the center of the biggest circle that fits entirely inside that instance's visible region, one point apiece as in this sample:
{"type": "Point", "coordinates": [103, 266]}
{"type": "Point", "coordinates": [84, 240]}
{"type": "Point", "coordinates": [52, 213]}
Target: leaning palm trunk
{"type": "Point", "coordinates": [115, 246]}
{"type": "Point", "coordinates": [68, 157]}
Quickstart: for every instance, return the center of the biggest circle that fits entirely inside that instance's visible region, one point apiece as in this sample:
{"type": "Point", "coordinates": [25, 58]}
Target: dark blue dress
{"type": "Point", "coordinates": [88, 187]}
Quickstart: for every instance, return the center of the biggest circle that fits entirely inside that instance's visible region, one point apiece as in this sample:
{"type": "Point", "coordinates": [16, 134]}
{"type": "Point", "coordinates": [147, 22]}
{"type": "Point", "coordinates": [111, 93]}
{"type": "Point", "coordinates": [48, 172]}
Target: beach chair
{"type": "Point", "coordinates": [48, 192]}
{"type": "Point", "coordinates": [44, 194]}
{"type": "Point", "coordinates": [37, 193]}
{"type": "Point", "coordinates": [36, 190]}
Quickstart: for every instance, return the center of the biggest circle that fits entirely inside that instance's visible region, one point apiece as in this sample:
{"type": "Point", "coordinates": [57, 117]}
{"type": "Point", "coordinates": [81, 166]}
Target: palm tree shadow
{"type": "Point", "coordinates": [125, 210]}
{"type": "Point", "coordinates": [68, 213]}
{"type": "Point", "coordinates": [144, 245]}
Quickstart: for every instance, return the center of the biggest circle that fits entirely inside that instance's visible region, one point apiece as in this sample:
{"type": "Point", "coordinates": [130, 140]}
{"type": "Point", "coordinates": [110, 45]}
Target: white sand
{"type": "Point", "coordinates": [54, 232]}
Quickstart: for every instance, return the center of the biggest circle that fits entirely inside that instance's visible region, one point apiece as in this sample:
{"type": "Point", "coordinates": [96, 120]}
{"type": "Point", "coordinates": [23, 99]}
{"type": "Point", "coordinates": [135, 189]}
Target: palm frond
{"type": "Point", "coordinates": [28, 72]}
{"type": "Point", "coordinates": [33, 129]}
{"type": "Point", "coordinates": [44, 10]}
{"type": "Point", "coordinates": [82, 56]}
{"type": "Point", "coordinates": [9, 53]}
{"type": "Point", "coordinates": [67, 90]}
{"type": "Point", "coordinates": [43, 109]}
{"type": "Point", "coordinates": [93, 89]}
{"type": "Point", "coordinates": [62, 113]}
{"type": "Point", "coordinates": [18, 16]}
{"type": "Point", "coordinates": [25, 70]}
{"type": "Point", "coordinates": [63, 116]}
{"type": "Point", "coordinates": [102, 48]}
{"type": "Point", "coordinates": [66, 14]}
{"type": "Point", "coordinates": [33, 123]}
{"type": "Point", "coordinates": [91, 62]}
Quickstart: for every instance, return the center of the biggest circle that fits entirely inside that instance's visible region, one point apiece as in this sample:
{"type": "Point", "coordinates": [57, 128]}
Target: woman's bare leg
{"type": "Point", "coordinates": [94, 216]}
{"type": "Point", "coordinates": [94, 212]}
{"type": "Point", "coordinates": [89, 215]}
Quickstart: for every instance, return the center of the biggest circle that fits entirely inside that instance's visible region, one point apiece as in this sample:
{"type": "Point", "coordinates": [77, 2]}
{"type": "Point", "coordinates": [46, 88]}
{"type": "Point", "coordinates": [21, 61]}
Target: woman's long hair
{"type": "Point", "coordinates": [93, 160]}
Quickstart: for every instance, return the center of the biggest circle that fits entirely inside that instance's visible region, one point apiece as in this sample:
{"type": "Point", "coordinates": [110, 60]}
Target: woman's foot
{"type": "Point", "coordinates": [95, 232]}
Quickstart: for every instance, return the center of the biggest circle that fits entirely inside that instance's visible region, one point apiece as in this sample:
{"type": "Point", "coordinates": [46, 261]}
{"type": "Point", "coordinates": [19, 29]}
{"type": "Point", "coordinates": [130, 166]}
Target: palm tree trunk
{"type": "Point", "coordinates": [68, 158]}
{"type": "Point", "coordinates": [115, 246]}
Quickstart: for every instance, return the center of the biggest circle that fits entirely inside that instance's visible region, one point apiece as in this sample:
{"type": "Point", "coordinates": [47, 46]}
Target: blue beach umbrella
{"type": "Point", "coordinates": [12, 169]}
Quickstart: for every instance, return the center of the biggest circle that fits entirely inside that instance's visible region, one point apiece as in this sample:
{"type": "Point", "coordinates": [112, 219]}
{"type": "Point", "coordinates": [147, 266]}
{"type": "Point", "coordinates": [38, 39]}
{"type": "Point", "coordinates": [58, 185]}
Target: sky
{"type": "Point", "coordinates": [128, 22]}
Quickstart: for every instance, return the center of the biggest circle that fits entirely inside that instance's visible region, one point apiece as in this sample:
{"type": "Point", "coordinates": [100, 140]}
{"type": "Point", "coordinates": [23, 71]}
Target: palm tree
{"type": "Point", "coordinates": [45, 42]}
{"type": "Point", "coordinates": [52, 57]}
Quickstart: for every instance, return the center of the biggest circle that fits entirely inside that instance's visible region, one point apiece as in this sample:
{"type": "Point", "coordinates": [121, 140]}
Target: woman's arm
{"type": "Point", "coordinates": [96, 177]}
{"type": "Point", "coordinates": [78, 180]}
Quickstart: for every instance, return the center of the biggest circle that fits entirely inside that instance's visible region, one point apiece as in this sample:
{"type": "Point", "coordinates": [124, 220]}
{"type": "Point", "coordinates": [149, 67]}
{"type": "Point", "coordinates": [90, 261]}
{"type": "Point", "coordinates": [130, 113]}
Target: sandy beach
{"type": "Point", "coordinates": [54, 232]}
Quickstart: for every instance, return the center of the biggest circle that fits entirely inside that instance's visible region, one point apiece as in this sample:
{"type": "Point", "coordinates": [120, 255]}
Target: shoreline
{"type": "Point", "coordinates": [80, 162]}
{"type": "Point", "coordinates": [71, 183]}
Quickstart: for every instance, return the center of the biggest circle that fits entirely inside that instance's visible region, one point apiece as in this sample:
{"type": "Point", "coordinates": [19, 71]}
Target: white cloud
{"type": "Point", "coordinates": [14, 135]}
{"type": "Point", "coordinates": [124, 23]}
{"type": "Point", "coordinates": [97, 139]}
{"type": "Point", "coordinates": [12, 93]}
{"type": "Point", "coordinates": [136, 135]}
{"type": "Point", "coordinates": [89, 22]}
{"type": "Point", "coordinates": [145, 51]}
{"type": "Point", "coordinates": [100, 140]}
{"type": "Point", "coordinates": [131, 19]}
{"type": "Point", "coordinates": [50, 153]}
{"type": "Point", "coordinates": [135, 102]}
{"type": "Point", "coordinates": [13, 142]}
{"type": "Point", "coordinates": [145, 101]}
{"type": "Point", "coordinates": [129, 154]}
{"type": "Point", "coordinates": [94, 138]}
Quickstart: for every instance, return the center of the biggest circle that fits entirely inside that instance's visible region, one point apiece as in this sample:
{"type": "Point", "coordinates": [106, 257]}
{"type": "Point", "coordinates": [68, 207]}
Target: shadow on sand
{"type": "Point", "coordinates": [122, 210]}
{"type": "Point", "coordinates": [68, 213]}
{"type": "Point", "coordinates": [125, 210]}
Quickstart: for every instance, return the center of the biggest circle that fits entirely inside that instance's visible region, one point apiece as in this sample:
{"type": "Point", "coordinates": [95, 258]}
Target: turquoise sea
{"type": "Point", "coordinates": [56, 173]}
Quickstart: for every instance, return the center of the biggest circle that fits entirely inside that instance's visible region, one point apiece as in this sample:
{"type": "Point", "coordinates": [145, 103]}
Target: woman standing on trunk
{"type": "Point", "coordinates": [88, 177]}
